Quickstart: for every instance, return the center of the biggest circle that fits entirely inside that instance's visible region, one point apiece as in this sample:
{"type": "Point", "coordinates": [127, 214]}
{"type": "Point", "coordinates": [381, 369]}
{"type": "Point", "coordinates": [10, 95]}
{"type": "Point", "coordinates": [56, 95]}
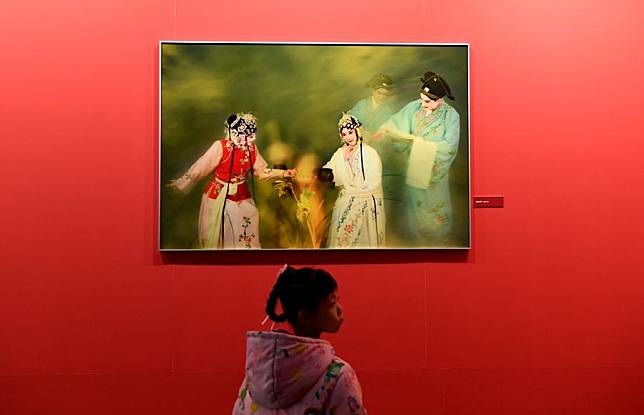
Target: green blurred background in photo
{"type": "Point", "coordinates": [297, 93]}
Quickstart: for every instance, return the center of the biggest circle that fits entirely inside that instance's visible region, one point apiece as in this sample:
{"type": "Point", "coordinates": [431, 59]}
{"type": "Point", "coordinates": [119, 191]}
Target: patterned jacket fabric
{"type": "Point", "coordinates": [291, 375]}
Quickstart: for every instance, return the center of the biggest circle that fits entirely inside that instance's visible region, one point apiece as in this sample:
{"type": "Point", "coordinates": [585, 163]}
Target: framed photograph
{"type": "Point", "coordinates": [313, 146]}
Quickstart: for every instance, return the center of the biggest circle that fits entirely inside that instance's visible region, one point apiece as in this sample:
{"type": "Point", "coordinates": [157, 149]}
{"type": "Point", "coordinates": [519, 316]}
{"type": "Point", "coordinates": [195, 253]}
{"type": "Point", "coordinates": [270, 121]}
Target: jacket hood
{"type": "Point", "coordinates": [282, 368]}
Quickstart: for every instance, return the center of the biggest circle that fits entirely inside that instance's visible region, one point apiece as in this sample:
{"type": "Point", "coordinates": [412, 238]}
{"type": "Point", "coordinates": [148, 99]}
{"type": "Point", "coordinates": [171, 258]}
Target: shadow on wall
{"type": "Point", "coordinates": [268, 257]}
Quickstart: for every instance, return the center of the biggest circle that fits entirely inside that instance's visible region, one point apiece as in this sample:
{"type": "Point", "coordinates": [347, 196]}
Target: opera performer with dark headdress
{"type": "Point", "coordinates": [228, 217]}
{"type": "Point", "coordinates": [374, 110]}
{"type": "Point", "coordinates": [358, 218]}
{"type": "Point", "coordinates": [430, 128]}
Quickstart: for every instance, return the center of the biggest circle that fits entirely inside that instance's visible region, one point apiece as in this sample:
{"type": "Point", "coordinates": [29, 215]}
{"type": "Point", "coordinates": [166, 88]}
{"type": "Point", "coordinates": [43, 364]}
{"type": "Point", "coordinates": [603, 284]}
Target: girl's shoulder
{"type": "Point", "coordinates": [346, 367]}
{"type": "Point", "coordinates": [347, 393]}
{"type": "Point", "coordinates": [342, 368]}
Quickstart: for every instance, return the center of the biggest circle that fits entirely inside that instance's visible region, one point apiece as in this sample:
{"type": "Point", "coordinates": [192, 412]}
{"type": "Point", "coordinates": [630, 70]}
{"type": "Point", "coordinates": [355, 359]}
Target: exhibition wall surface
{"type": "Point", "coordinates": [544, 315]}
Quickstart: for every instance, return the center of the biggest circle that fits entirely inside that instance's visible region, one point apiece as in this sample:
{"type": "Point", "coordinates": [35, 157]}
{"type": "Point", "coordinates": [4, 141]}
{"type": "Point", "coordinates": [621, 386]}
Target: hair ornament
{"type": "Point", "coordinates": [348, 121]}
{"type": "Point", "coordinates": [434, 86]}
{"type": "Point", "coordinates": [242, 123]}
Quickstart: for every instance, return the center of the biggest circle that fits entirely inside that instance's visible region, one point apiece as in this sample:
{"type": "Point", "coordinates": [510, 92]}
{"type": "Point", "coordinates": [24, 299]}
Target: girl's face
{"type": "Point", "coordinates": [349, 137]}
{"type": "Point", "coordinates": [429, 104]}
{"type": "Point", "coordinates": [328, 317]}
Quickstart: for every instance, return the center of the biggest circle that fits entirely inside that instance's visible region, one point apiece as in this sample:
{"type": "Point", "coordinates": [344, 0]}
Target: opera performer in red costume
{"type": "Point", "coordinates": [228, 217]}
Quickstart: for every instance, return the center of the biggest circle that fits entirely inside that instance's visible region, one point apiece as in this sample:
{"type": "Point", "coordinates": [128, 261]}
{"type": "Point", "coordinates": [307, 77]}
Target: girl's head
{"type": "Point", "coordinates": [350, 130]}
{"type": "Point", "coordinates": [309, 301]}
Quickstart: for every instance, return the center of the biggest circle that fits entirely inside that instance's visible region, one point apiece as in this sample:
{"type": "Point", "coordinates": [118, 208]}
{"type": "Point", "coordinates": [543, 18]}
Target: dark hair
{"type": "Point", "coordinates": [381, 81]}
{"type": "Point", "coordinates": [434, 86]}
{"type": "Point", "coordinates": [299, 290]}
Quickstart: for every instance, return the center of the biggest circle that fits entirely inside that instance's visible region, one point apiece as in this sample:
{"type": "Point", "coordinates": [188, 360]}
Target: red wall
{"type": "Point", "coordinates": [545, 315]}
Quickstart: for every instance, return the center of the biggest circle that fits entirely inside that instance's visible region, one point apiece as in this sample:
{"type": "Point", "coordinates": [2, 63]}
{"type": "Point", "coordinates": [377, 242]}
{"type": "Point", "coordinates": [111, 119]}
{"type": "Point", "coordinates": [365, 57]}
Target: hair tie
{"type": "Point", "coordinates": [266, 321]}
{"type": "Point", "coordinates": [284, 268]}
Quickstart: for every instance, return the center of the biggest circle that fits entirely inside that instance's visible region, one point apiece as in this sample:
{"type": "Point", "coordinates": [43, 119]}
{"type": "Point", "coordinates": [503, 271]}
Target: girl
{"type": "Point", "coordinates": [358, 219]}
{"type": "Point", "coordinates": [299, 374]}
{"type": "Point", "coordinates": [228, 217]}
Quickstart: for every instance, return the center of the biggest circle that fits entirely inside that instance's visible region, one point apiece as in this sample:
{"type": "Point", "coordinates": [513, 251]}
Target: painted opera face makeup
{"type": "Point", "coordinates": [349, 137]}
{"type": "Point", "coordinates": [242, 129]}
{"type": "Point", "coordinates": [238, 138]}
{"type": "Point", "coordinates": [242, 139]}
{"type": "Point", "coordinates": [429, 104]}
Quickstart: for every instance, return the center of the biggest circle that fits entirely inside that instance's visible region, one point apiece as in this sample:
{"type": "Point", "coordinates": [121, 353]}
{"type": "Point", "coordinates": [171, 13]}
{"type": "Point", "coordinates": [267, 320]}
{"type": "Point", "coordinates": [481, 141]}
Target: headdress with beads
{"type": "Point", "coordinates": [242, 123]}
{"type": "Point", "coordinates": [350, 122]}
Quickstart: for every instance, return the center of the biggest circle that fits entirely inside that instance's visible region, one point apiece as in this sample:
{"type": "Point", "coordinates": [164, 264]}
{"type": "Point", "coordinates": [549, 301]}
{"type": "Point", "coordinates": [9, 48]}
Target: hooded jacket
{"type": "Point", "coordinates": [291, 375]}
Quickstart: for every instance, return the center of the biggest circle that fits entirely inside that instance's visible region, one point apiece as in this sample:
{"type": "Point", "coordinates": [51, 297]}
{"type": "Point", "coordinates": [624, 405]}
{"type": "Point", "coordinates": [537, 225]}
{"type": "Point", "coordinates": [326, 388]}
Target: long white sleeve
{"type": "Point", "coordinates": [201, 168]}
{"type": "Point", "coordinates": [372, 179]}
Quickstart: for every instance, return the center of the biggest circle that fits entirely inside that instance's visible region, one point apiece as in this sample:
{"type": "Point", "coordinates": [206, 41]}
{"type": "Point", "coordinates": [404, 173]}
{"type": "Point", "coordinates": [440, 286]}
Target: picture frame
{"type": "Point", "coordinates": [404, 183]}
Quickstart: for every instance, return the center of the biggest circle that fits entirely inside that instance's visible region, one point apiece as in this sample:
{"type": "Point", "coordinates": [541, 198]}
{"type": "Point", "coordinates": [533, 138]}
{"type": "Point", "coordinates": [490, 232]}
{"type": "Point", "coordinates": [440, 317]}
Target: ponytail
{"type": "Point", "coordinates": [274, 295]}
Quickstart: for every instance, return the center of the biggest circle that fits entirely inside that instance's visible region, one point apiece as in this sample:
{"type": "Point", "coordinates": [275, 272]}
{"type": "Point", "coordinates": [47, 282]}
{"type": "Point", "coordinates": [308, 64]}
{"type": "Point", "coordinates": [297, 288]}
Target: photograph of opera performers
{"type": "Point", "coordinates": [314, 146]}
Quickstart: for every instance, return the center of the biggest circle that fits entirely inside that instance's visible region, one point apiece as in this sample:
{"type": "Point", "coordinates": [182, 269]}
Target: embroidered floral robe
{"type": "Point", "coordinates": [429, 211]}
{"type": "Point", "coordinates": [358, 219]}
{"type": "Point", "coordinates": [228, 217]}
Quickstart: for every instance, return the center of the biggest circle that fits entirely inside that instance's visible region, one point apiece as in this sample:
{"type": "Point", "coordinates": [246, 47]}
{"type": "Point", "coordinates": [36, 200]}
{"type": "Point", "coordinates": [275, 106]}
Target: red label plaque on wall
{"type": "Point", "coordinates": [488, 201]}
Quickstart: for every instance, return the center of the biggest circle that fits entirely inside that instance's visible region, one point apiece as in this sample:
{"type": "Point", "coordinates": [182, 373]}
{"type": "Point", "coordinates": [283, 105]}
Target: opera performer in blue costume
{"type": "Point", "coordinates": [374, 110]}
{"type": "Point", "coordinates": [429, 129]}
